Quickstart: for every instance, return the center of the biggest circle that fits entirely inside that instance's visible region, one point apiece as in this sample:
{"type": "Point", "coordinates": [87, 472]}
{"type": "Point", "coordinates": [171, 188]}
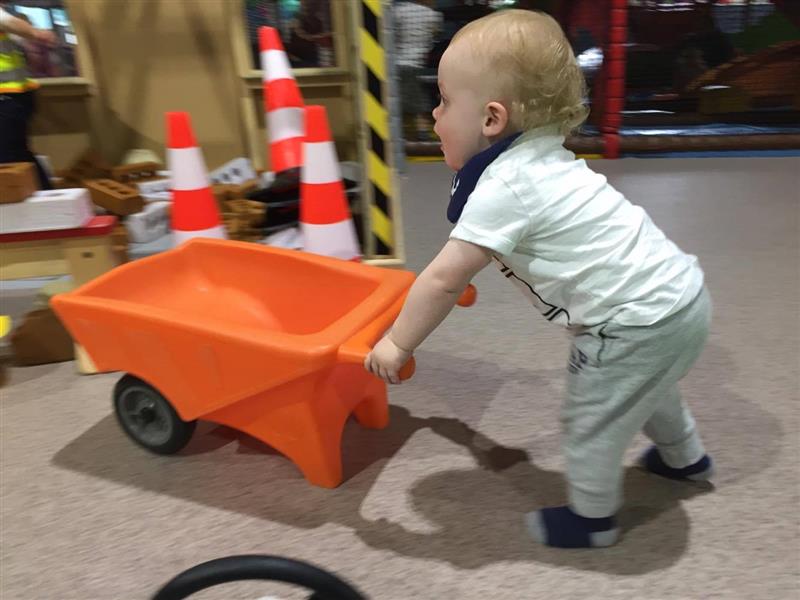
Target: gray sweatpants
{"type": "Point", "coordinates": [621, 380]}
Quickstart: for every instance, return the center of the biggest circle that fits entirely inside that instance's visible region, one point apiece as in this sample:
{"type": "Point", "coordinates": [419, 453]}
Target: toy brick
{"type": "Point", "coordinates": [250, 210]}
{"type": "Point", "coordinates": [242, 219]}
{"type": "Point", "coordinates": [117, 198]}
{"type": "Point", "coordinates": [222, 192]}
{"type": "Point", "coordinates": [17, 182]}
{"type": "Point", "coordinates": [88, 165]}
{"type": "Point", "coordinates": [135, 172]}
{"type": "Point", "coordinates": [241, 190]}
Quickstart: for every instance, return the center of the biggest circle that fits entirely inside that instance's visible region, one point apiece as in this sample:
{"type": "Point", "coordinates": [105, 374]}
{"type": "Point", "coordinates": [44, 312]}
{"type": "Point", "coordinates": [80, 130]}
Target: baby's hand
{"type": "Point", "coordinates": [386, 360]}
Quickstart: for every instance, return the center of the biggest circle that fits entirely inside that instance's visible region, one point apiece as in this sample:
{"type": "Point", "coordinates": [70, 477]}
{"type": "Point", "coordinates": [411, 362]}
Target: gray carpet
{"type": "Point", "coordinates": [432, 507]}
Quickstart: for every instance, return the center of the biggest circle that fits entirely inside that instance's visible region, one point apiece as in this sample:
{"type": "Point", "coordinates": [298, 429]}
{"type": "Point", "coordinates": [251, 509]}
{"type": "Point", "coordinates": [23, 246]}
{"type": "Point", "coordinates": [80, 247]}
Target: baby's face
{"type": "Point", "coordinates": [459, 115]}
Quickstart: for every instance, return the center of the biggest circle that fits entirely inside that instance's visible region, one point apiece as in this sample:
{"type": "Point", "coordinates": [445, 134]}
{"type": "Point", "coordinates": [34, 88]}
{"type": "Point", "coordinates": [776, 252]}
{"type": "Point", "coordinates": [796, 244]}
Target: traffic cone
{"type": "Point", "coordinates": [283, 103]}
{"type": "Point", "coordinates": [324, 212]}
{"type": "Point", "coordinates": [194, 209]}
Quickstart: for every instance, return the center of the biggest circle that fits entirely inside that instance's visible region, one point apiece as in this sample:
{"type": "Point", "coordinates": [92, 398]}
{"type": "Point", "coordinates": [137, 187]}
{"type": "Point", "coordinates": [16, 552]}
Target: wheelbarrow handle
{"type": "Point", "coordinates": [408, 370]}
{"type": "Point", "coordinates": [356, 349]}
{"type": "Point", "coordinates": [469, 296]}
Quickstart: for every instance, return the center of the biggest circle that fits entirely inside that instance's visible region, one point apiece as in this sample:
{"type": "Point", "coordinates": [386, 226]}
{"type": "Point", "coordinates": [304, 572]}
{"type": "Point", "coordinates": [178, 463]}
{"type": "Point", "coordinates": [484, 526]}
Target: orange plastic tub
{"type": "Point", "coordinates": [267, 341]}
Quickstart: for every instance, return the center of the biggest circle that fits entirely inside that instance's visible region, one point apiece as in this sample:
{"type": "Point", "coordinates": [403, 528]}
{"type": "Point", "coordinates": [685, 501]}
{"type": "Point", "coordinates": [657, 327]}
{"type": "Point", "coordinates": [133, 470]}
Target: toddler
{"type": "Point", "coordinates": [587, 259]}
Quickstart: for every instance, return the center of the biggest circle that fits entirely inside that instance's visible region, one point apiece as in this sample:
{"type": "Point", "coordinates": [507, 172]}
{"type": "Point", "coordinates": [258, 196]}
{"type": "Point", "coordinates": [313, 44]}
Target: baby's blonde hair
{"type": "Point", "coordinates": [535, 68]}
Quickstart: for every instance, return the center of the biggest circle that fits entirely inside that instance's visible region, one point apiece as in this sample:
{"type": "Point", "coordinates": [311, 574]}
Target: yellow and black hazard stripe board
{"type": "Point", "coordinates": [375, 110]}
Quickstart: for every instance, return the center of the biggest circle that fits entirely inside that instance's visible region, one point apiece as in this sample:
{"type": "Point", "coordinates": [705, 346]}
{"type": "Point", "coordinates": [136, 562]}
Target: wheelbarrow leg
{"type": "Point", "coordinates": [319, 456]}
{"type": "Point", "coordinates": [373, 412]}
{"type": "Point", "coordinates": [304, 420]}
{"type": "Point", "coordinates": [307, 429]}
{"type": "Point", "coordinates": [318, 453]}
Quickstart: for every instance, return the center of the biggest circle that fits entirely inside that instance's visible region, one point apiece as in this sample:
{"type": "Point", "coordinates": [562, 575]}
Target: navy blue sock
{"type": "Point", "coordinates": [702, 470]}
{"type": "Point", "coordinates": [562, 528]}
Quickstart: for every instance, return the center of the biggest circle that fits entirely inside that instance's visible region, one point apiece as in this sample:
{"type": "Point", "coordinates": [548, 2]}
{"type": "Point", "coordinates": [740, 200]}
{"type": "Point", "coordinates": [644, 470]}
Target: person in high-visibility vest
{"type": "Point", "coordinates": [17, 90]}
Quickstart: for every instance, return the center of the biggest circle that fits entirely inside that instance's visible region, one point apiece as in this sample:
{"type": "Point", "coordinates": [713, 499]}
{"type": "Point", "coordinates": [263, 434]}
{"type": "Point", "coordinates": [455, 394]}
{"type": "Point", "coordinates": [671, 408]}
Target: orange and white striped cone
{"type": "Point", "coordinates": [194, 209]}
{"type": "Point", "coordinates": [324, 213]}
{"type": "Point", "coordinates": [283, 103]}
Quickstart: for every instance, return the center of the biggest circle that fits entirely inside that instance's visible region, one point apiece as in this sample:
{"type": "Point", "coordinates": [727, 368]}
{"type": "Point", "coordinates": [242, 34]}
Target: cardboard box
{"type": "Point", "coordinates": [41, 339]}
{"type": "Point", "coordinates": [17, 182]}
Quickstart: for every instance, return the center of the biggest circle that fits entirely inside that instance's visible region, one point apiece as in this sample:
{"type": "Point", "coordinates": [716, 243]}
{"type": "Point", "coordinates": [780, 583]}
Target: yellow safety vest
{"type": "Point", "coordinates": [14, 76]}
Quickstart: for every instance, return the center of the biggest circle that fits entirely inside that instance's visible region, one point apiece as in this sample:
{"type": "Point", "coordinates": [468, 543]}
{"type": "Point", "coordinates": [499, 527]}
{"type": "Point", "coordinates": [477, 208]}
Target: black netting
{"type": "Point", "coordinates": [692, 66]}
{"type": "Point", "coordinates": [304, 26]}
{"type": "Point", "coordinates": [714, 67]}
{"type": "Point", "coordinates": [424, 28]}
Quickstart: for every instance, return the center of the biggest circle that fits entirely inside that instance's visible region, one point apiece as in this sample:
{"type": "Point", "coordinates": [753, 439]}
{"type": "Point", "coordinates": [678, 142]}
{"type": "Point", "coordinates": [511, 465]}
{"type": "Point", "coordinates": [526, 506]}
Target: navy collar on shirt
{"type": "Point", "coordinates": [466, 179]}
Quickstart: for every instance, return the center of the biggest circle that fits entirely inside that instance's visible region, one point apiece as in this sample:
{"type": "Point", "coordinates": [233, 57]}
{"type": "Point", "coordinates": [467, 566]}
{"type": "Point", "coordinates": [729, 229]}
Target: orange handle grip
{"type": "Point", "coordinates": [469, 296]}
{"type": "Point", "coordinates": [408, 370]}
{"type": "Point", "coordinates": [355, 349]}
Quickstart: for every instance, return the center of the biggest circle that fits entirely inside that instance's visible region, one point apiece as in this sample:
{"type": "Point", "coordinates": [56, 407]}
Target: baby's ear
{"type": "Point", "coordinates": [495, 119]}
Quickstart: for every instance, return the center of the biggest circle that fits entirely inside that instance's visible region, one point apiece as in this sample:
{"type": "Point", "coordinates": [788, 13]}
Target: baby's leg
{"type": "Point", "coordinates": [612, 390]}
{"type": "Point", "coordinates": [678, 452]}
{"type": "Point", "coordinates": [619, 377]}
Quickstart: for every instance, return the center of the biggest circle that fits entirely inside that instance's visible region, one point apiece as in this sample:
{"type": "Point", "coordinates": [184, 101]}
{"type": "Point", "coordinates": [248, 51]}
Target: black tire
{"type": "Point", "coordinates": [325, 586]}
{"type": "Point", "coordinates": [148, 418]}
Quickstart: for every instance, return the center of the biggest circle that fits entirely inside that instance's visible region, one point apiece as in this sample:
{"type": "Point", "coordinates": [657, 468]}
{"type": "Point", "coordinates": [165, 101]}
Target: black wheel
{"type": "Point", "coordinates": [148, 418]}
{"type": "Point", "coordinates": [324, 585]}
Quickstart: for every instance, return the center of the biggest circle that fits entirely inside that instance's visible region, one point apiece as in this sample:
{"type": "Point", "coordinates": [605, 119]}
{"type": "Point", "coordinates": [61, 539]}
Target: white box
{"type": "Point", "coordinates": [150, 224]}
{"type": "Point", "coordinates": [234, 172]}
{"type": "Point", "coordinates": [47, 210]}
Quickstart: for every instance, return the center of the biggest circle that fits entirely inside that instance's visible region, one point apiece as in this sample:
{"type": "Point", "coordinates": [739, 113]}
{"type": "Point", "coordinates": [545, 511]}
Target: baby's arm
{"type": "Point", "coordinates": [436, 291]}
{"type": "Point", "coordinates": [429, 301]}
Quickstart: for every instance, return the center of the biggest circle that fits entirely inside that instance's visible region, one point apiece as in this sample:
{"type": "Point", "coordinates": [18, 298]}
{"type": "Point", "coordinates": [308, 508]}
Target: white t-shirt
{"type": "Point", "coordinates": [415, 25]}
{"type": "Point", "coordinates": [577, 248]}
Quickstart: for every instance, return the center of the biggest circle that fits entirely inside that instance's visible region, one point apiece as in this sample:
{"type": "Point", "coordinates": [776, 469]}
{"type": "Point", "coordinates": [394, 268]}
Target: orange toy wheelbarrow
{"type": "Point", "coordinates": [267, 341]}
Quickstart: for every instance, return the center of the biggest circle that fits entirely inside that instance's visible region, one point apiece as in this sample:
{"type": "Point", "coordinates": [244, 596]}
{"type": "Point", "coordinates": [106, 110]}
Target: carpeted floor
{"type": "Point", "coordinates": [432, 507]}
